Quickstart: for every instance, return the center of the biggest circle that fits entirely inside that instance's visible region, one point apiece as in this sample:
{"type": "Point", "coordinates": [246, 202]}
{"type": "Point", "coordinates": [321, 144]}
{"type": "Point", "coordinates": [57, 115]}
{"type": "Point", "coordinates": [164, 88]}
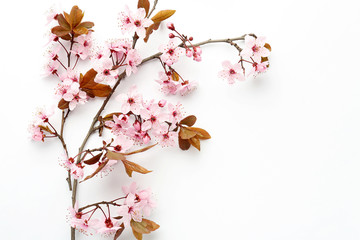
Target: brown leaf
{"type": "Point", "coordinates": [62, 22]}
{"type": "Point", "coordinates": [76, 15]}
{"type": "Point", "coordinates": [60, 31]}
{"type": "Point", "coordinates": [189, 120]}
{"type": "Point", "coordinates": [195, 142]}
{"type": "Point", "coordinates": [63, 104]}
{"type": "Point", "coordinates": [144, 227]}
{"type": "Point", "coordinates": [133, 167]}
{"type": "Point", "coordinates": [118, 217]}
{"type": "Point", "coordinates": [184, 144]}
{"type": "Point", "coordinates": [80, 30]}
{"type": "Point", "coordinates": [137, 235]}
{"type": "Point", "coordinates": [144, 4]}
{"type": "Point", "coordinates": [87, 25]}
{"type": "Point", "coordinates": [101, 166]}
{"type": "Point", "coordinates": [66, 37]}
{"type": "Point", "coordinates": [119, 231]}
{"type": "Point", "coordinates": [185, 133]}
{"type": "Point", "coordinates": [201, 133]}
{"type": "Point", "coordinates": [141, 150]}
{"type": "Point", "coordinates": [93, 160]}
{"type": "Point", "coordinates": [115, 155]}
{"type": "Point", "coordinates": [47, 129]}
{"type": "Point", "coordinates": [150, 30]}
{"type": "Point", "coordinates": [162, 15]}
{"type": "Point", "coordinates": [67, 17]}
{"type": "Point", "coordinates": [267, 46]}
{"type": "Point", "coordinates": [91, 87]}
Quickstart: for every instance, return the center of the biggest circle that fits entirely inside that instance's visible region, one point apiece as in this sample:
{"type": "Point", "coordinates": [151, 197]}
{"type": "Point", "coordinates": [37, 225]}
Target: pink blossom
{"type": "Point", "coordinates": [84, 41]}
{"type": "Point", "coordinates": [119, 48]}
{"type": "Point", "coordinates": [187, 87]}
{"type": "Point", "coordinates": [167, 85]}
{"type": "Point", "coordinates": [119, 124]}
{"type": "Point", "coordinates": [197, 51]}
{"type": "Point", "coordinates": [132, 101]}
{"type": "Point", "coordinates": [153, 117]}
{"type": "Point", "coordinates": [162, 103]}
{"type": "Point", "coordinates": [75, 96]}
{"type": "Point", "coordinates": [67, 162]}
{"type": "Point", "coordinates": [69, 77]}
{"type": "Point", "coordinates": [36, 133]}
{"type": "Point", "coordinates": [51, 16]}
{"type": "Point", "coordinates": [254, 48]}
{"type": "Point", "coordinates": [140, 22]}
{"type": "Point", "coordinates": [175, 112]}
{"type": "Point", "coordinates": [143, 196]}
{"type": "Point", "coordinates": [52, 68]}
{"type": "Point", "coordinates": [105, 73]}
{"type": "Point", "coordinates": [108, 225]}
{"type": "Point", "coordinates": [131, 209]}
{"type": "Point", "coordinates": [53, 55]}
{"type": "Point", "coordinates": [258, 68]}
{"type": "Point", "coordinates": [52, 38]}
{"type": "Point", "coordinates": [231, 72]}
{"type": "Point", "coordinates": [100, 54]}
{"type": "Point", "coordinates": [79, 221]}
{"type": "Point", "coordinates": [133, 59]}
{"type": "Point", "coordinates": [77, 171]}
{"type": "Point", "coordinates": [122, 144]}
{"type": "Point", "coordinates": [126, 22]}
{"type": "Point", "coordinates": [165, 137]}
{"type": "Point", "coordinates": [171, 52]}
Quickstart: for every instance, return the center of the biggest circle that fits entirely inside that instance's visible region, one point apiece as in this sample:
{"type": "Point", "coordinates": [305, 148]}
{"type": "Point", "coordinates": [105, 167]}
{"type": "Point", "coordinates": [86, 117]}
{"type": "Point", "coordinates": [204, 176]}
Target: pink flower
{"type": "Point", "coordinates": [51, 16]}
{"type": "Point", "coordinates": [66, 162]}
{"type": "Point", "coordinates": [84, 41]}
{"type": "Point", "coordinates": [254, 48]}
{"type": "Point", "coordinates": [119, 48]}
{"type": "Point", "coordinates": [69, 77]}
{"type": "Point", "coordinates": [132, 101]}
{"type": "Point", "coordinates": [187, 87]}
{"type": "Point", "coordinates": [140, 22]}
{"type": "Point", "coordinates": [80, 52]}
{"type": "Point", "coordinates": [122, 144]}
{"type": "Point", "coordinates": [126, 22]}
{"type": "Point", "coordinates": [231, 72]}
{"type": "Point", "coordinates": [165, 137]}
{"type": "Point", "coordinates": [52, 68]}
{"type": "Point", "coordinates": [171, 52]}
{"type": "Point", "coordinates": [105, 73]}
{"type": "Point", "coordinates": [153, 117]}
{"type": "Point", "coordinates": [175, 112]}
{"type": "Point", "coordinates": [167, 85]}
{"type": "Point", "coordinates": [131, 209]}
{"type": "Point", "coordinates": [162, 103]}
{"type": "Point", "coordinates": [258, 68]}
{"type": "Point", "coordinates": [108, 225]}
{"type": "Point", "coordinates": [119, 124]}
{"type": "Point", "coordinates": [79, 221]}
{"type": "Point", "coordinates": [133, 59]}
{"type": "Point", "coordinates": [75, 96]}
{"type": "Point", "coordinates": [77, 171]}
{"type": "Point", "coordinates": [143, 196]}
{"type": "Point", "coordinates": [197, 54]}
{"type": "Point", "coordinates": [36, 133]}
{"type": "Point", "coordinates": [53, 55]}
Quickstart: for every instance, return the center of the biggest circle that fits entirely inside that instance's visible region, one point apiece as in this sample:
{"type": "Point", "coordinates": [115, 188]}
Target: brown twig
{"type": "Point", "coordinates": [153, 8]}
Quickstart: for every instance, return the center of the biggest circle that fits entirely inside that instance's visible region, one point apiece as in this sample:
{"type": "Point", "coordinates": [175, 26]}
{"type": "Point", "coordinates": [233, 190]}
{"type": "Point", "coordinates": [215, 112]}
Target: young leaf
{"type": "Point", "coordinates": [162, 15]}
{"type": "Point", "coordinates": [184, 144]}
{"type": "Point", "coordinates": [62, 22]}
{"type": "Point", "coordinates": [267, 46]}
{"type": "Point", "coordinates": [195, 142]}
{"type": "Point", "coordinates": [80, 30]}
{"type": "Point", "coordinates": [60, 31]}
{"type": "Point", "coordinates": [201, 133]}
{"type": "Point", "coordinates": [119, 231]}
{"type": "Point", "coordinates": [185, 133]}
{"type": "Point", "coordinates": [76, 16]}
{"type": "Point", "coordinates": [141, 150]}
{"type": "Point", "coordinates": [87, 25]}
{"type": "Point", "coordinates": [115, 155]}
{"type": "Point", "coordinates": [93, 160]}
{"type": "Point", "coordinates": [189, 120]}
{"type": "Point", "coordinates": [63, 104]}
{"type": "Point", "coordinates": [133, 167]}
{"type": "Point", "coordinates": [137, 235]}
{"type": "Point", "coordinates": [101, 166]}
{"type": "Point", "coordinates": [91, 87]}
{"type": "Point", "coordinates": [150, 30]}
{"type": "Point", "coordinates": [144, 4]}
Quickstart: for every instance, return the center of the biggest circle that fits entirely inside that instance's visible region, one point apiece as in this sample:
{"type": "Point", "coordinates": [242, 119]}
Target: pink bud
{"type": "Point", "coordinates": [191, 38]}
{"type": "Point", "coordinates": [137, 125]}
{"type": "Point", "coordinates": [170, 26]}
{"type": "Point", "coordinates": [171, 35]}
{"type": "Point", "coordinates": [146, 138]}
{"type": "Point", "coordinates": [162, 103]}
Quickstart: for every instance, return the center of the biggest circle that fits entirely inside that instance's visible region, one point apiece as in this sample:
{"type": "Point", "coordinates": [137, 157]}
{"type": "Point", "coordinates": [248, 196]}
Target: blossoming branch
{"type": "Point", "coordinates": [139, 124]}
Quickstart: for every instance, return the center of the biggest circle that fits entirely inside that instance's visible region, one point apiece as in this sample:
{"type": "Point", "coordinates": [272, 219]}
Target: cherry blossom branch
{"type": "Point", "coordinates": [153, 8]}
{"type": "Point", "coordinates": [102, 202]}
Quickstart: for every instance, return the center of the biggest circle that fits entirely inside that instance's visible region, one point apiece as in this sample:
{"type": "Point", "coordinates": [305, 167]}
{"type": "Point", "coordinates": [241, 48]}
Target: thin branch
{"type": "Point", "coordinates": [153, 8]}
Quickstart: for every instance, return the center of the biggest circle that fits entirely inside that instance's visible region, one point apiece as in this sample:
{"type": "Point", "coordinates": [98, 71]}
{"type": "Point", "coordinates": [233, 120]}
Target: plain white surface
{"type": "Point", "coordinates": [283, 162]}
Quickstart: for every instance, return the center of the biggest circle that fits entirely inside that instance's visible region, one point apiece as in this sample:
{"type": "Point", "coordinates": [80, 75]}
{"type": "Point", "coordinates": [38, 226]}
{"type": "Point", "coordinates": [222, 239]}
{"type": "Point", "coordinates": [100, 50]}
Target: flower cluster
{"type": "Point", "coordinates": [134, 206]}
{"type": "Point", "coordinates": [255, 54]}
{"type": "Point", "coordinates": [41, 125]}
{"type": "Point", "coordinates": [141, 121]}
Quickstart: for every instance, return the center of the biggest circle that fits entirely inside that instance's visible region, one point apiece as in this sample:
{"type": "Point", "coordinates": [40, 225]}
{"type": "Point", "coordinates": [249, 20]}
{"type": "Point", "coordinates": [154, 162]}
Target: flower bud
{"type": "Point", "coordinates": [191, 38]}
{"type": "Point", "coordinates": [171, 35]}
{"type": "Point", "coordinates": [162, 103]}
{"type": "Point", "coordinates": [170, 26]}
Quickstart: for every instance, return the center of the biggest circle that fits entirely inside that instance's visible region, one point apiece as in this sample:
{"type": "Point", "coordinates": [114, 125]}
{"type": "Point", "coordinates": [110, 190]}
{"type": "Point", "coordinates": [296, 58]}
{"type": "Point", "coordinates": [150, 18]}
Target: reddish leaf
{"type": "Point", "coordinates": [119, 231]}
{"type": "Point", "coordinates": [184, 144]}
{"type": "Point", "coordinates": [150, 30]}
{"type": "Point", "coordinates": [141, 150]}
{"type": "Point", "coordinates": [87, 25]}
{"type": "Point", "coordinates": [63, 104]}
{"type": "Point", "coordinates": [144, 227]}
{"type": "Point", "coordinates": [195, 142]}
{"type": "Point", "coordinates": [76, 16]}
{"type": "Point", "coordinates": [137, 235]}
{"type": "Point", "coordinates": [267, 46]}
{"type": "Point", "coordinates": [144, 4]}
{"type": "Point", "coordinates": [101, 166]}
{"type": "Point", "coordinates": [66, 37]}
{"type": "Point", "coordinates": [60, 31]}
{"type": "Point", "coordinates": [201, 133]}
{"type": "Point", "coordinates": [93, 160]}
{"type": "Point", "coordinates": [80, 30]}
{"type": "Point", "coordinates": [93, 88]}
{"type": "Point", "coordinates": [131, 167]}
{"type": "Point", "coordinates": [115, 155]}
{"type": "Point", "coordinates": [189, 120]}
{"type": "Point", "coordinates": [162, 15]}
{"type": "Point", "coordinates": [62, 22]}
{"type": "Point", "coordinates": [185, 133]}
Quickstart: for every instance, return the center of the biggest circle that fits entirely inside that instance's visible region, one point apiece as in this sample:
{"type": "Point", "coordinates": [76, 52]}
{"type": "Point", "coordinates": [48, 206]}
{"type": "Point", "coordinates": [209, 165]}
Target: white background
{"type": "Point", "coordinates": [283, 162]}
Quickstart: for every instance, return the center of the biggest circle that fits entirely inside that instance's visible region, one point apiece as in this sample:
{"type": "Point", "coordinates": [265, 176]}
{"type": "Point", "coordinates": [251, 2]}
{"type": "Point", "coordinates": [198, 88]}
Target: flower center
{"type": "Point", "coordinates": [153, 119]}
{"type": "Point", "coordinates": [171, 51]}
{"type": "Point", "coordinates": [255, 48]}
{"type": "Point", "coordinates": [78, 215]}
{"type": "Point", "coordinates": [137, 23]}
{"type": "Point", "coordinates": [118, 148]}
{"type": "Point", "coordinates": [106, 72]}
{"type": "Point", "coordinates": [232, 71]}
{"type": "Point", "coordinates": [131, 101]}
{"type": "Point", "coordinates": [109, 223]}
